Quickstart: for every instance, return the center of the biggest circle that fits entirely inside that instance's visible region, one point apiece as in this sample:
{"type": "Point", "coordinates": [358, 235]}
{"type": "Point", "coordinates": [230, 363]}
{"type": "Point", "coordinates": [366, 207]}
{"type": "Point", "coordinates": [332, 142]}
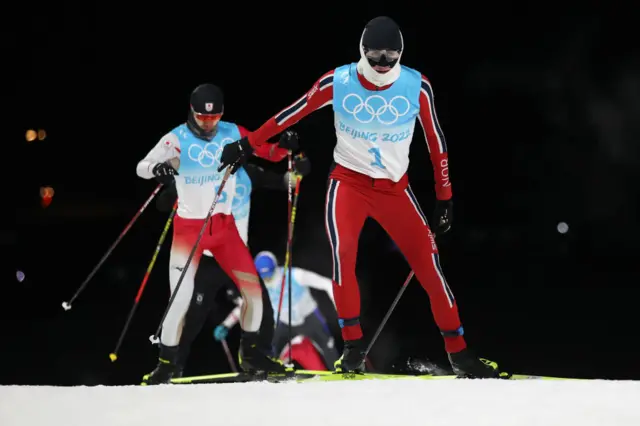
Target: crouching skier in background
{"type": "Point", "coordinates": [210, 277]}
{"type": "Point", "coordinates": [306, 318]}
{"type": "Point", "coordinates": [198, 144]}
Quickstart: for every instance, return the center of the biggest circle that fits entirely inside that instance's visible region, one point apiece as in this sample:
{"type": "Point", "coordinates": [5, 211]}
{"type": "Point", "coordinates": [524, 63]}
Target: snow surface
{"type": "Point", "coordinates": [371, 403]}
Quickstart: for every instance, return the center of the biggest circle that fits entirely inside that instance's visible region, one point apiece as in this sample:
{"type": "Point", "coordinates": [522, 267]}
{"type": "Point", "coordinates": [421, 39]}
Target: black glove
{"type": "Point", "coordinates": [164, 173]}
{"type": "Point", "coordinates": [442, 217]}
{"type": "Point", "coordinates": [235, 154]}
{"type": "Point", "coordinates": [301, 165]}
{"type": "Point", "coordinates": [289, 140]}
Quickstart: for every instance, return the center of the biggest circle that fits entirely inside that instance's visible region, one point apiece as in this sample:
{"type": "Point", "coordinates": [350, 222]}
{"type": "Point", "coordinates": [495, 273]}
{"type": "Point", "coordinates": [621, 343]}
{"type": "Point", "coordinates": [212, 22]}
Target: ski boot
{"type": "Point", "coordinates": [468, 366]}
{"type": "Point", "coordinates": [168, 367]}
{"type": "Point", "coordinates": [255, 359]}
{"type": "Point", "coordinates": [352, 359]}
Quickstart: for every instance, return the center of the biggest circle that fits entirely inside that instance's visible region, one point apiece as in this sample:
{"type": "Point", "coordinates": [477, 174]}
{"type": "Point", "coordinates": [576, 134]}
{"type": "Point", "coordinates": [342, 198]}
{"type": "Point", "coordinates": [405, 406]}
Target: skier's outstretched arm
{"type": "Point", "coordinates": [270, 152]}
{"type": "Point", "coordinates": [234, 316]}
{"type": "Point", "coordinates": [320, 95]}
{"type": "Point", "coordinates": [313, 280]}
{"type": "Point", "coordinates": [221, 331]}
{"type": "Point", "coordinates": [435, 141]}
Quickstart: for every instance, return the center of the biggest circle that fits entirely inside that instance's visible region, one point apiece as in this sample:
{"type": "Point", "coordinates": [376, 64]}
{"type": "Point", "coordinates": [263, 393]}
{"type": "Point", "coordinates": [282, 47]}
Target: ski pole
{"type": "Point", "coordinates": [114, 355]}
{"type": "Point", "coordinates": [155, 337]}
{"type": "Point", "coordinates": [290, 265]}
{"type": "Point", "coordinates": [232, 364]}
{"type": "Point", "coordinates": [290, 208]}
{"type": "Point", "coordinates": [67, 305]}
{"type": "Point", "coordinates": [389, 312]}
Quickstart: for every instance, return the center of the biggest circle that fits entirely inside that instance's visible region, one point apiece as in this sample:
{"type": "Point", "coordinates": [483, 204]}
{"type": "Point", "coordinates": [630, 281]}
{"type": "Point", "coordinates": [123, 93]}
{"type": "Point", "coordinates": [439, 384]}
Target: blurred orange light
{"type": "Point", "coordinates": [31, 135]}
{"type": "Point", "coordinates": [41, 135]}
{"type": "Point", "coordinates": [46, 192]}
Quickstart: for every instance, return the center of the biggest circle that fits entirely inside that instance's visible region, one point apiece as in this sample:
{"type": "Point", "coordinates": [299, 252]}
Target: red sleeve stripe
{"type": "Point", "coordinates": [326, 81]}
{"type": "Point", "coordinates": [300, 104]}
{"type": "Point", "coordinates": [428, 92]}
{"type": "Point", "coordinates": [292, 110]}
{"type": "Point", "coordinates": [426, 139]}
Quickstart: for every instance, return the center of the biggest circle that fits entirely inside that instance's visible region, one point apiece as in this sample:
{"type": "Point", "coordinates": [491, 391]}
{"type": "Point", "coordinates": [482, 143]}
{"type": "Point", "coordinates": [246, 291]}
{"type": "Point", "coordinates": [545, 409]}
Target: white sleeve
{"type": "Point", "coordinates": [166, 149]}
{"type": "Point", "coordinates": [233, 318]}
{"type": "Point", "coordinates": [311, 279]}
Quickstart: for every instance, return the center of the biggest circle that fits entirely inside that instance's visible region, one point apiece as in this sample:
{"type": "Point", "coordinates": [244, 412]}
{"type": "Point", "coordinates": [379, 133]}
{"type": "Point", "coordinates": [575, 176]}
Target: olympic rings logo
{"type": "Point", "coordinates": [208, 156]}
{"type": "Point", "coordinates": [376, 107]}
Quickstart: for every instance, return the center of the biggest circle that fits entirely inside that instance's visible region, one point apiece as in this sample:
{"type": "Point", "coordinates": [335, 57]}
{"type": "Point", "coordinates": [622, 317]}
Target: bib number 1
{"type": "Point", "coordinates": [377, 160]}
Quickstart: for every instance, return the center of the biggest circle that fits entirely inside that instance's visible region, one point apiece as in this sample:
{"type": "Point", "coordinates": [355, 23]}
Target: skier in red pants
{"type": "Point", "coordinates": [376, 103]}
{"type": "Point", "coordinates": [195, 147]}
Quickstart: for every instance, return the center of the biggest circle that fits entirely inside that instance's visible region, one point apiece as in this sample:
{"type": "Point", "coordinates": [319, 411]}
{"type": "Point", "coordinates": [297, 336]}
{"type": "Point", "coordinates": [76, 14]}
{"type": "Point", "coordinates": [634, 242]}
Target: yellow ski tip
{"type": "Point", "coordinates": [113, 357]}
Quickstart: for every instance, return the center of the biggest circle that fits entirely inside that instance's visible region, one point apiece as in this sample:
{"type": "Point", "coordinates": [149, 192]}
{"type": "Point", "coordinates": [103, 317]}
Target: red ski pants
{"type": "Point", "coordinates": [222, 239]}
{"type": "Point", "coordinates": [352, 198]}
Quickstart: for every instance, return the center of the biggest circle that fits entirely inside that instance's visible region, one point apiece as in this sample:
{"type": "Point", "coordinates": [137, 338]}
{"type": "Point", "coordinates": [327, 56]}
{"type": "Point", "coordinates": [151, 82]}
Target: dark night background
{"type": "Point", "coordinates": [540, 109]}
